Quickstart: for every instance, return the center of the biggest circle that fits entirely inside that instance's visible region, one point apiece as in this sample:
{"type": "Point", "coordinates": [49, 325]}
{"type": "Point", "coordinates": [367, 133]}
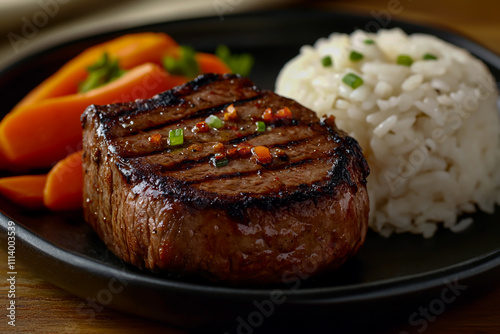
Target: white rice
{"type": "Point", "coordinates": [430, 131]}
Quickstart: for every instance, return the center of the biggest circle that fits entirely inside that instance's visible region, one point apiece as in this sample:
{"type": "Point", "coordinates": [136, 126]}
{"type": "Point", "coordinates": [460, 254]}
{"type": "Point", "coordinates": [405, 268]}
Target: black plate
{"type": "Point", "coordinates": [379, 281]}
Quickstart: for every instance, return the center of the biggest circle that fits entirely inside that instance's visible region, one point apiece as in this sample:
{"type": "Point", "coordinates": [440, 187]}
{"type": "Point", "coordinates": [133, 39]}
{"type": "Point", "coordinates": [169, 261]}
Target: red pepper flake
{"type": "Point", "coordinates": [155, 139]}
{"type": "Point", "coordinates": [284, 113]}
{"type": "Point", "coordinates": [232, 152]}
{"type": "Point", "coordinates": [219, 147]}
{"type": "Point", "coordinates": [231, 114]}
{"type": "Point", "coordinates": [201, 127]}
{"type": "Point", "coordinates": [220, 156]}
{"type": "Point", "coordinates": [268, 116]}
{"type": "Point", "coordinates": [244, 150]}
{"type": "Point", "coordinates": [195, 147]}
{"type": "Point", "coordinates": [262, 155]}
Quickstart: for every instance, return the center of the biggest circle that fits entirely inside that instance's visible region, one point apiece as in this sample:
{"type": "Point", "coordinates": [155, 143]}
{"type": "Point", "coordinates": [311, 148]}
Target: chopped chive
{"type": "Point", "coordinates": [429, 56]}
{"type": "Point", "coordinates": [220, 162]}
{"type": "Point", "coordinates": [404, 60]}
{"type": "Point", "coordinates": [326, 61]}
{"type": "Point", "coordinates": [369, 41]}
{"type": "Point", "coordinates": [352, 80]}
{"type": "Point", "coordinates": [355, 56]}
{"type": "Point", "coordinates": [176, 137]}
{"type": "Point", "coordinates": [213, 121]}
{"type": "Point", "coordinates": [261, 126]}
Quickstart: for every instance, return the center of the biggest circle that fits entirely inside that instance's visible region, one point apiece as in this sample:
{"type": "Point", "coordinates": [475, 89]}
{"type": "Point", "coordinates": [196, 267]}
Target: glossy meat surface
{"type": "Point", "coordinates": [168, 208]}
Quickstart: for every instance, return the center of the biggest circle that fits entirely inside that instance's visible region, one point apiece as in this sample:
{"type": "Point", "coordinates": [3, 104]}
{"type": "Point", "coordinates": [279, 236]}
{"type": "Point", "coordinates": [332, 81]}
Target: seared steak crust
{"type": "Point", "coordinates": [169, 208]}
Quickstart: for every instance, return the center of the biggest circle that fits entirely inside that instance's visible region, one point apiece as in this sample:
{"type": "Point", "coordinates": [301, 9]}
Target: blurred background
{"type": "Point", "coordinates": [30, 25]}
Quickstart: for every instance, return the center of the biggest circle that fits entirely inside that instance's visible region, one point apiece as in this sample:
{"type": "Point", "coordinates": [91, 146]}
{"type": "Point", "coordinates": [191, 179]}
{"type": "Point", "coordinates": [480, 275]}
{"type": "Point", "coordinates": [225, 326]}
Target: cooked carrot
{"type": "Point", "coordinates": [8, 165]}
{"type": "Point", "coordinates": [4, 163]}
{"type": "Point", "coordinates": [63, 189]}
{"type": "Point", "coordinates": [131, 50]}
{"type": "Point", "coordinates": [38, 135]}
{"type": "Point", "coordinates": [210, 63]}
{"type": "Point", "coordinates": [25, 190]}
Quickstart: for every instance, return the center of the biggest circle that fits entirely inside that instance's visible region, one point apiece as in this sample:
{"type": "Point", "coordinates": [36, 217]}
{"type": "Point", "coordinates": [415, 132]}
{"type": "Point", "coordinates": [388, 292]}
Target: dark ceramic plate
{"type": "Point", "coordinates": [380, 281]}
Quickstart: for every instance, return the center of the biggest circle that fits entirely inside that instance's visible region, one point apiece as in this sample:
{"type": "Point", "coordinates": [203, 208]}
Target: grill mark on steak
{"type": "Point", "coordinates": [170, 159]}
{"type": "Point", "coordinates": [197, 174]}
{"type": "Point", "coordinates": [249, 112]}
{"type": "Point", "coordinates": [177, 104]}
{"type": "Point", "coordinates": [139, 145]}
{"type": "Point", "coordinates": [301, 152]}
{"type": "Point", "coordinates": [284, 183]}
{"type": "Point", "coordinates": [198, 116]}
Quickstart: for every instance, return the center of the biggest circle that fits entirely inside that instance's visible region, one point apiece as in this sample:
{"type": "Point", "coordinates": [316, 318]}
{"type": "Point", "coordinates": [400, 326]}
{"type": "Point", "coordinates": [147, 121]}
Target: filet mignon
{"type": "Point", "coordinates": [271, 192]}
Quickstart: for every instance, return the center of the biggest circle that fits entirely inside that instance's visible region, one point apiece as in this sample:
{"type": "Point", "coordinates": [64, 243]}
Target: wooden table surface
{"type": "Point", "coordinates": [44, 308]}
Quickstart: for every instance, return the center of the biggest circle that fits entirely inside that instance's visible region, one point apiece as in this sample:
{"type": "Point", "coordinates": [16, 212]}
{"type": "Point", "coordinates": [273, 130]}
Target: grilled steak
{"type": "Point", "coordinates": [270, 193]}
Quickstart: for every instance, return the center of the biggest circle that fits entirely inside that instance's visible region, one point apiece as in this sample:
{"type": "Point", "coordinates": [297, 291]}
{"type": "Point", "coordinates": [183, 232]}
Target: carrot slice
{"type": "Point", "coordinates": [41, 134]}
{"type": "Point", "coordinates": [4, 163]}
{"type": "Point", "coordinates": [25, 190]}
{"type": "Point", "coordinates": [210, 63]}
{"type": "Point", "coordinates": [63, 189]}
{"type": "Point", "coordinates": [131, 50]}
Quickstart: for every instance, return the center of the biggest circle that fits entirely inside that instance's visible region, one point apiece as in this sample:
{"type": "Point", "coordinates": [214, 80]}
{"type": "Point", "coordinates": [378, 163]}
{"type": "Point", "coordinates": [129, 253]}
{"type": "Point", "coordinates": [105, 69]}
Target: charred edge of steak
{"type": "Point", "coordinates": [351, 146]}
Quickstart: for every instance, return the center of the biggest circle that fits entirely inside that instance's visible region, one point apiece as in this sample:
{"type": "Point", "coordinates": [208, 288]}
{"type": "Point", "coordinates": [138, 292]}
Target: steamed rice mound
{"type": "Point", "coordinates": [430, 131]}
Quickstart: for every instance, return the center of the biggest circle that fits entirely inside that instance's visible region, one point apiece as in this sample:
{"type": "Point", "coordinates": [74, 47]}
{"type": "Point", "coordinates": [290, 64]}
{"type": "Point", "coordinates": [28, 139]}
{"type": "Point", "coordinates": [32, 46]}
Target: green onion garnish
{"type": "Point", "coordinates": [104, 70]}
{"type": "Point", "coordinates": [220, 162]}
{"type": "Point", "coordinates": [326, 61]}
{"type": "Point", "coordinates": [352, 80]}
{"type": "Point", "coordinates": [369, 41]}
{"type": "Point", "coordinates": [213, 121]}
{"type": "Point", "coordinates": [238, 63]}
{"type": "Point", "coordinates": [176, 137]}
{"type": "Point", "coordinates": [404, 60]}
{"type": "Point", "coordinates": [185, 64]}
{"type": "Point", "coordinates": [430, 56]}
{"type": "Point", "coordinates": [355, 56]}
{"type": "Point", "coordinates": [261, 126]}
